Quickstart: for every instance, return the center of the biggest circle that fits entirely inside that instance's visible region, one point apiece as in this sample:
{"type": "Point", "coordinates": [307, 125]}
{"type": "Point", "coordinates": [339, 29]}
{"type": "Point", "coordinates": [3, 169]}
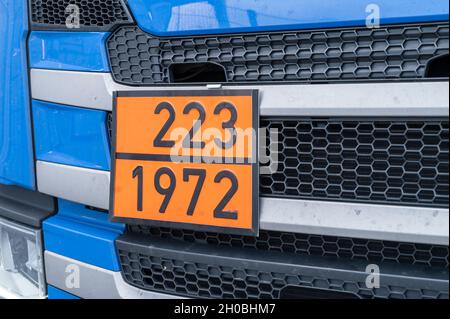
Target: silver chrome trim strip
{"type": "Point", "coordinates": [94, 90]}
{"type": "Point", "coordinates": [95, 282]}
{"type": "Point", "coordinates": [81, 185]}
{"type": "Point", "coordinates": [383, 222]}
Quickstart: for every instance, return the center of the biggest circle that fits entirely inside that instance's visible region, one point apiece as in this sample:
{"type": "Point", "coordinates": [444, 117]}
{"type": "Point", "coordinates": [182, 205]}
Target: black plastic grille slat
{"type": "Point", "coordinates": [392, 52]}
{"type": "Point", "coordinates": [385, 161]}
{"type": "Point", "coordinates": [372, 251]}
{"type": "Point", "coordinates": [93, 13]}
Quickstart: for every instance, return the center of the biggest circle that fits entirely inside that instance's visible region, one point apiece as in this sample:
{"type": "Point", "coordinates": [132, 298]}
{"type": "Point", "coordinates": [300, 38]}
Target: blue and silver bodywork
{"type": "Point", "coordinates": [55, 102]}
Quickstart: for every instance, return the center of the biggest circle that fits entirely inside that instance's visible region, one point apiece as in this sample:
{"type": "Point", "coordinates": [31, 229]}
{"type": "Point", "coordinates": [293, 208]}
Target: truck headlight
{"type": "Point", "coordinates": [21, 262]}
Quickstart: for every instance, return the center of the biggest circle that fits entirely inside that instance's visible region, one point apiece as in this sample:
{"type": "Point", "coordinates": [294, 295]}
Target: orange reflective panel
{"type": "Point", "coordinates": [186, 160]}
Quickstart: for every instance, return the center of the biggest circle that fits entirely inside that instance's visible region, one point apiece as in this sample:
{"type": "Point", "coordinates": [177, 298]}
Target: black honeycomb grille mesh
{"type": "Point", "coordinates": [394, 52]}
{"type": "Point", "coordinates": [93, 13]}
{"type": "Point", "coordinates": [373, 251]}
{"type": "Point", "coordinates": [386, 161]}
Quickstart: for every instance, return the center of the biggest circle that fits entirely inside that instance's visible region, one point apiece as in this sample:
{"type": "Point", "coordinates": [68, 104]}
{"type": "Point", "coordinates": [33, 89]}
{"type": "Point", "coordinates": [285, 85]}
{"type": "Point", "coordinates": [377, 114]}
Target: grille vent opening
{"type": "Point", "coordinates": [293, 292]}
{"type": "Point", "coordinates": [438, 67]}
{"type": "Point", "coordinates": [197, 73]}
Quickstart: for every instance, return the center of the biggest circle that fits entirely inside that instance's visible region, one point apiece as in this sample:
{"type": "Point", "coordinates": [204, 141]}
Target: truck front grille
{"type": "Point", "coordinates": [190, 268]}
{"type": "Point", "coordinates": [356, 54]}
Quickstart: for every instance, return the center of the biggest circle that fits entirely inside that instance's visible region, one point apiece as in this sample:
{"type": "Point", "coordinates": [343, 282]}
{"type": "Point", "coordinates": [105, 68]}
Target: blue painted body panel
{"type": "Point", "coordinates": [82, 234]}
{"type": "Point", "coordinates": [16, 149]}
{"type": "Point", "coordinates": [71, 135]}
{"type": "Point", "coordinates": [179, 17]}
{"type": "Point", "coordinates": [55, 293]}
{"type": "Point", "coordinates": [73, 51]}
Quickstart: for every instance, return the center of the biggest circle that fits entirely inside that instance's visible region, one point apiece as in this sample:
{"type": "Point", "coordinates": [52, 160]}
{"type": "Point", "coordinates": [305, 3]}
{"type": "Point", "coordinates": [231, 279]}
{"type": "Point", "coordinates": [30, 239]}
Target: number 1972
{"type": "Point", "coordinates": [188, 174]}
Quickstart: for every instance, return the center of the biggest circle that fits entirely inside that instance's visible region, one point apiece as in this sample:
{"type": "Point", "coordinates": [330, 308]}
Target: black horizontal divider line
{"type": "Point", "coordinates": [184, 159]}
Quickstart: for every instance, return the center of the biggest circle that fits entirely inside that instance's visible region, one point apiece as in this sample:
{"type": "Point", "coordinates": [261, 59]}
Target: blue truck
{"type": "Point", "coordinates": [354, 203]}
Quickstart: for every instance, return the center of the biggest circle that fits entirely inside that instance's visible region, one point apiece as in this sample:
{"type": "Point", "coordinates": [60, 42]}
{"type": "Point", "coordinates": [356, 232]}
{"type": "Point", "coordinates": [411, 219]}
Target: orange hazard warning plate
{"type": "Point", "coordinates": [186, 159]}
